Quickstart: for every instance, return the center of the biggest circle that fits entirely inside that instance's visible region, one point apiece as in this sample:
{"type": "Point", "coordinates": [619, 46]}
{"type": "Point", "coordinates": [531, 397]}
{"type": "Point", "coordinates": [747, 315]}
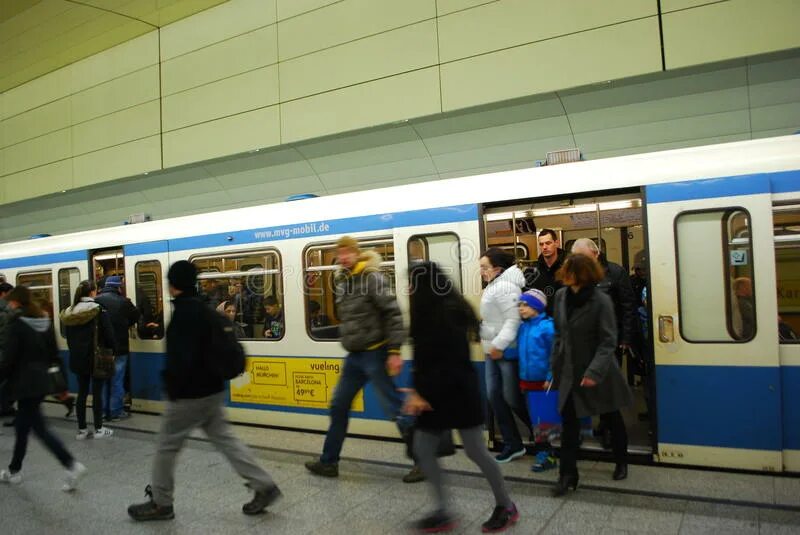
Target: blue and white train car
{"type": "Point", "coordinates": [718, 229]}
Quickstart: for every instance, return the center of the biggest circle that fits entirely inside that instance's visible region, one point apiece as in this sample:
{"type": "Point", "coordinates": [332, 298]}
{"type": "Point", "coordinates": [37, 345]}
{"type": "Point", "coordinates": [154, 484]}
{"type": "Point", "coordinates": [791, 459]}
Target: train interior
{"type": "Point", "coordinates": [615, 221]}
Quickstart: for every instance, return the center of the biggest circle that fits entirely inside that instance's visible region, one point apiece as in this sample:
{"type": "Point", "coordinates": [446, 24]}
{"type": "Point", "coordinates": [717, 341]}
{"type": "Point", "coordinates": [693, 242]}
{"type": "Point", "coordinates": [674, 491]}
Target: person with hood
{"type": "Point", "coordinates": [30, 353]}
{"type": "Point", "coordinates": [500, 314]}
{"type": "Point", "coordinates": [85, 321]}
{"type": "Point", "coordinates": [372, 331]}
{"type": "Point", "coordinates": [447, 393]}
{"type": "Point", "coordinates": [124, 315]}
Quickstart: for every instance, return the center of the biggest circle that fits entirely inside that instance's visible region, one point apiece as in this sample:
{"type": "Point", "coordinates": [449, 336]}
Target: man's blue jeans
{"type": "Point", "coordinates": [114, 404]}
{"type": "Point", "coordinates": [360, 368]}
{"type": "Point", "coordinates": [505, 397]}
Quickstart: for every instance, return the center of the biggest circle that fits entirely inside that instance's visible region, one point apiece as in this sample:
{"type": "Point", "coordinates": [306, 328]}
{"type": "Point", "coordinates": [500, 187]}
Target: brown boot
{"type": "Point", "coordinates": [414, 476]}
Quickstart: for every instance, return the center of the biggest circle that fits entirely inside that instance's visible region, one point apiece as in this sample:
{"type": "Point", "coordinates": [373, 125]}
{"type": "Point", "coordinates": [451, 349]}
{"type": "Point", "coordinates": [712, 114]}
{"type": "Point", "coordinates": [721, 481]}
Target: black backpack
{"type": "Point", "coordinates": [226, 353]}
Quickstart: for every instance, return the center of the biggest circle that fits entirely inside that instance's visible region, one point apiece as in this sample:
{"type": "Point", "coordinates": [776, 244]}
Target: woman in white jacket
{"type": "Point", "coordinates": [500, 315]}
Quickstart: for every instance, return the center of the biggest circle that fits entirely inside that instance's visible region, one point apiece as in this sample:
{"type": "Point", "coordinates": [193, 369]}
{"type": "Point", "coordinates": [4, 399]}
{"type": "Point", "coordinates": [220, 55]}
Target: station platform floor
{"type": "Point", "coordinates": [369, 496]}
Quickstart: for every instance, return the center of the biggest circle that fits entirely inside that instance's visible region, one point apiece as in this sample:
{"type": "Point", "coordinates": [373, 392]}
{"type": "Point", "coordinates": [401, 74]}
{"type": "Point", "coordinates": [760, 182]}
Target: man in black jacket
{"type": "Point", "coordinates": [196, 393]}
{"type": "Point", "coordinates": [6, 406]}
{"type": "Point", "coordinates": [123, 314]}
{"type": "Point", "coordinates": [542, 276]}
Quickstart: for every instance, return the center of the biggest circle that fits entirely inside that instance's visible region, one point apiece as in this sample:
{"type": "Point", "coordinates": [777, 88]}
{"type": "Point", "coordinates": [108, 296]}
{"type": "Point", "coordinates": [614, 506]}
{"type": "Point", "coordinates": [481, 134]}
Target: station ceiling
{"type": "Point", "coordinates": [41, 36]}
{"type": "Point", "coordinates": [732, 101]}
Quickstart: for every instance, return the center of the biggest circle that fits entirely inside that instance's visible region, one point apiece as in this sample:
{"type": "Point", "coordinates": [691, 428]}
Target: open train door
{"type": "Point", "coordinates": [714, 323]}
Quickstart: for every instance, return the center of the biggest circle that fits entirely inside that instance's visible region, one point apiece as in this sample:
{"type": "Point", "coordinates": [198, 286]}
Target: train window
{"type": "Point", "coordinates": [715, 276]}
{"type": "Point", "coordinates": [149, 300]}
{"type": "Point", "coordinates": [68, 280]}
{"type": "Point", "coordinates": [41, 286]}
{"type": "Point", "coordinates": [320, 267]}
{"type": "Point", "coordinates": [442, 248]}
{"type": "Point", "coordinates": [247, 286]}
{"type": "Point", "coordinates": [786, 220]}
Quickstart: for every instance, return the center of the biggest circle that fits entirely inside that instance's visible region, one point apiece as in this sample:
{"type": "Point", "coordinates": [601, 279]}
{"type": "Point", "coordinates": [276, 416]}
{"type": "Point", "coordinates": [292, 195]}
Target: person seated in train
{"type": "Point", "coordinates": [744, 322]}
{"type": "Point", "coordinates": [542, 276]}
{"type": "Point", "coordinates": [247, 304]}
{"type": "Point", "coordinates": [316, 318]}
{"type": "Point", "coordinates": [273, 321]}
{"type": "Point", "coordinates": [229, 309]}
{"type": "Point", "coordinates": [785, 331]}
{"type": "Point", "coordinates": [211, 293]}
{"type": "Point", "coordinates": [150, 325]}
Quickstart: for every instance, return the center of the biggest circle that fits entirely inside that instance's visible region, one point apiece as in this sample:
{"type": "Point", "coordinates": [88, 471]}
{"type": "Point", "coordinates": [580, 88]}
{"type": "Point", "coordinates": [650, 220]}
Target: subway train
{"type": "Point", "coordinates": [713, 233]}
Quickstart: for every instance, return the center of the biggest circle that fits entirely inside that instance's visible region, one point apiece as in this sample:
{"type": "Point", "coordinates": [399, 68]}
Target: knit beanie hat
{"type": "Point", "coordinates": [182, 275]}
{"type": "Point", "coordinates": [114, 281]}
{"type": "Point", "coordinates": [534, 299]}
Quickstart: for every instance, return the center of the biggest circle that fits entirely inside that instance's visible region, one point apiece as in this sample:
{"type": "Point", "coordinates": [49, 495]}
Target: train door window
{"type": "Point", "coordinates": [716, 294]}
{"type": "Point", "coordinates": [248, 287]}
{"type": "Point", "coordinates": [68, 280]}
{"type": "Point", "coordinates": [319, 264]}
{"type": "Point", "coordinates": [442, 248]}
{"type": "Point", "coordinates": [149, 299]}
{"type": "Point", "coordinates": [40, 284]}
{"type": "Point", "coordinates": [786, 220]}
{"type": "Point", "coordinates": [106, 263]}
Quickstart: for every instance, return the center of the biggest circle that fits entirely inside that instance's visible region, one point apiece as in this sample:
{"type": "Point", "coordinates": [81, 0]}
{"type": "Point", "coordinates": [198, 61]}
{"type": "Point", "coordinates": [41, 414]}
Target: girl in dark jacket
{"type": "Point", "coordinates": [585, 369]}
{"type": "Point", "coordinates": [30, 352]}
{"type": "Point", "coordinates": [82, 321]}
{"type": "Point", "coordinates": [446, 391]}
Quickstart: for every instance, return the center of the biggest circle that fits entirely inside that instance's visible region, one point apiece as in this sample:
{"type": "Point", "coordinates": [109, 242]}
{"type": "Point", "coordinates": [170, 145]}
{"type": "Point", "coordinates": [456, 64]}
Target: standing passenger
{"type": "Point", "coordinates": [30, 352]}
{"type": "Point", "coordinates": [543, 276]}
{"type": "Point", "coordinates": [585, 371]}
{"type": "Point", "coordinates": [6, 405]}
{"type": "Point", "coordinates": [500, 313]}
{"type": "Point", "coordinates": [87, 324]}
{"type": "Point", "coordinates": [447, 394]}
{"type": "Point", "coordinates": [372, 332]}
{"type": "Point", "coordinates": [196, 398]}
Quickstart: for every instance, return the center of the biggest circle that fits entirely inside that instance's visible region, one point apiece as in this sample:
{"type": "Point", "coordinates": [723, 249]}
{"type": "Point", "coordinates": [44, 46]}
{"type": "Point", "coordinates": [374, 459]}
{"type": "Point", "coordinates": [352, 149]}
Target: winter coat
{"type": "Point", "coordinates": [367, 308]}
{"type": "Point", "coordinates": [80, 322]}
{"type": "Point", "coordinates": [123, 313]}
{"type": "Point", "coordinates": [535, 344]}
{"type": "Point", "coordinates": [190, 372]}
{"type": "Point", "coordinates": [584, 347]}
{"type": "Point", "coordinates": [30, 351]}
{"type": "Point", "coordinates": [444, 374]}
{"type": "Point", "coordinates": [617, 284]}
{"type": "Point", "coordinates": [500, 312]}
{"type": "Point", "coordinates": [5, 319]}
{"type": "Point", "coordinates": [543, 277]}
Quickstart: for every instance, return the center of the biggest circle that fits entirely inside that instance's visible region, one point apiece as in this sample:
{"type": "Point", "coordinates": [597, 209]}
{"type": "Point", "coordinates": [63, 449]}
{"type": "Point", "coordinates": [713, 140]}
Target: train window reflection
{"type": "Point", "coordinates": [68, 280]}
{"type": "Point", "coordinates": [248, 288]}
{"type": "Point", "coordinates": [715, 276]}
{"type": "Point", "coordinates": [40, 284]}
{"type": "Point", "coordinates": [149, 300]}
{"type": "Point", "coordinates": [321, 269]}
{"type": "Point", "coordinates": [786, 221]}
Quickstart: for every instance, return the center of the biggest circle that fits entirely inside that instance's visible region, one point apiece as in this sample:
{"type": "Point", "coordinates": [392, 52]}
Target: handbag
{"type": "Point", "coordinates": [103, 367]}
{"type": "Point", "coordinates": [56, 382]}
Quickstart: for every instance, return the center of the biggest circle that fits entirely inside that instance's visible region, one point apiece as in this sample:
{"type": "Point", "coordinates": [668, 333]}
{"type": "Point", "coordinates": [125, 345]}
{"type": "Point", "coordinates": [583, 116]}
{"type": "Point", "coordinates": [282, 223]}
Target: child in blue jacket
{"type": "Point", "coordinates": [534, 343]}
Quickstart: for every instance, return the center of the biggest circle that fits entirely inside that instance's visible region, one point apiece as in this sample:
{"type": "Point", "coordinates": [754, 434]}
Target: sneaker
{"type": "Point", "coordinates": [150, 510]}
{"type": "Point", "coordinates": [72, 476]}
{"type": "Point", "coordinates": [544, 461]}
{"type": "Point", "coordinates": [415, 475]}
{"type": "Point", "coordinates": [7, 476]}
{"type": "Point", "coordinates": [103, 432]}
{"type": "Point", "coordinates": [262, 500]}
{"type": "Point", "coordinates": [83, 434]}
{"type": "Point", "coordinates": [437, 522]}
{"type": "Point", "coordinates": [508, 455]}
{"type": "Point", "coordinates": [121, 416]}
{"type": "Point", "coordinates": [502, 518]}
{"type": "Point", "coordinates": [323, 469]}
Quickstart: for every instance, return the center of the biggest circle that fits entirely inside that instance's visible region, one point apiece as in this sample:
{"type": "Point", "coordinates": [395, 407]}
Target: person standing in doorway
{"type": "Point", "coordinates": [543, 276]}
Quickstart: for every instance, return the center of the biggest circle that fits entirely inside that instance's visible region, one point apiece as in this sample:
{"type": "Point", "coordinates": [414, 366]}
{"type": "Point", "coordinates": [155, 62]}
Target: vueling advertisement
{"type": "Point", "coordinates": [290, 382]}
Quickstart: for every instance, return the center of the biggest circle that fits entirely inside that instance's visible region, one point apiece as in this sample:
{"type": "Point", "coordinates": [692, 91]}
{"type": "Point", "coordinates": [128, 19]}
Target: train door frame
{"type": "Point", "coordinates": [718, 397]}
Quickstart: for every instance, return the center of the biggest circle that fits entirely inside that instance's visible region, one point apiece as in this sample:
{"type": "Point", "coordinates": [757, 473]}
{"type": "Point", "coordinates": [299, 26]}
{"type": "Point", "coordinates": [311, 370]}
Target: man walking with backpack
{"type": "Point", "coordinates": [200, 356]}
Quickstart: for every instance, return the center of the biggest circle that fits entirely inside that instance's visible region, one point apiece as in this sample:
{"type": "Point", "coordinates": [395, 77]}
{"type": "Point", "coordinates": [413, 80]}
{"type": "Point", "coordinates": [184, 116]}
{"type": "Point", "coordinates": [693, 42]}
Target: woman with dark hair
{"type": "Point", "coordinates": [446, 392]}
{"type": "Point", "coordinates": [585, 370]}
{"type": "Point", "coordinates": [87, 322]}
{"type": "Point", "coordinates": [30, 353]}
{"type": "Point", "coordinates": [500, 314]}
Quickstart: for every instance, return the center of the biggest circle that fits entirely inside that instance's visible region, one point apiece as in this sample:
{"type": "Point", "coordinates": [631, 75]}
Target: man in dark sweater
{"type": "Point", "coordinates": [196, 398]}
{"type": "Point", "coordinates": [542, 276]}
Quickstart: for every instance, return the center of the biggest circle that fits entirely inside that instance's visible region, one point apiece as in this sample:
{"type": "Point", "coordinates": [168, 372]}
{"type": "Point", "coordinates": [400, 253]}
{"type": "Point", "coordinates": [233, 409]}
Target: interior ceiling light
{"type": "Point", "coordinates": [574, 209]}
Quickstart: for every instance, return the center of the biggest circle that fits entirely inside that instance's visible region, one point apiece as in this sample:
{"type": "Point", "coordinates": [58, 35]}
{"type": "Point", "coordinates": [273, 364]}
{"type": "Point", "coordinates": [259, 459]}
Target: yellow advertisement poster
{"type": "Point", "coordinates": [290, 382]}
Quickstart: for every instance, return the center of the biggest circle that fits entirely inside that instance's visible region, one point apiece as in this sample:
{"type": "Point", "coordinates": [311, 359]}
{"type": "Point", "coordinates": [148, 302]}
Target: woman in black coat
{"type": "Point", "coordinates": [30, 353]}
{"type": "Point", "coordinates": [585, 369]}
{"type": "Point", "coordinates": [84, 321]}
{"type": "Point", "coordinates": [446, 391]}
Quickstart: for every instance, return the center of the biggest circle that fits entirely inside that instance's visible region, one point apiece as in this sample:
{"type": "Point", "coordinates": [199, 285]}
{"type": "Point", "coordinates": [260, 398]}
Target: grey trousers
{"type": "Point", "coordinates": [180, 418]}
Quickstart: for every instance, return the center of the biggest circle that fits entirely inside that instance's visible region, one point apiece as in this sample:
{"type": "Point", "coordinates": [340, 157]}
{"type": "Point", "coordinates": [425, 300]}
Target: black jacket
{"type": "Point", "coordinates": [189, 373]}
{"type": "Point", "coordinates": [543, 277]}
{"type": "Point", "coordinates": [617, 285]}
{"type": "Point", "coordinates": [123, 315]}
{"type": "Point", "coordinates": [80, 322]}
{"type": "Point", "coordinates": [30, 350]}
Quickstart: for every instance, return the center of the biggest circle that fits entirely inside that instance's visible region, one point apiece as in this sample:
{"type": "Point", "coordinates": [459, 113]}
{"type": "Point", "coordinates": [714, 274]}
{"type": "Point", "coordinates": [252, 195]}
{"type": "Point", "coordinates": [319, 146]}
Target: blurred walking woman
{"type": "Point", "coordinates": [447, 392]}
{"type": "Point", "coordinates": [30, 351]}
{"type": "Point", "coordinates": [81, 320]}
{"type": "Point", "coordinates": [585, 370]}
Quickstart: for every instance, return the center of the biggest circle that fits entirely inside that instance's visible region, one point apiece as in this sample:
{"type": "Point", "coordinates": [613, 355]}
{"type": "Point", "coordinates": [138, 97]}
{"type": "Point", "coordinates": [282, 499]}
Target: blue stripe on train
{"type": "Point", "coordinates": [723, 406]}
{"type": "Point", "coordinates": [790, 390]}
{"type": "Point", "coordinates": [780, 182]}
